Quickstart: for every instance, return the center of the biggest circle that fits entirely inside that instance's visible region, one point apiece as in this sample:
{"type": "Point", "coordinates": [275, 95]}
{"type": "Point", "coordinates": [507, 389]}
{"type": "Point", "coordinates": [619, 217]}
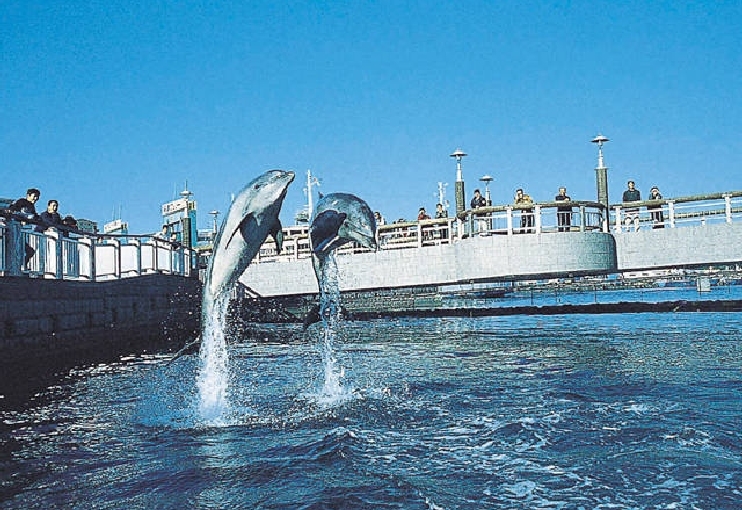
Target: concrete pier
{"type": "Point", "coordinates": [48, 326]}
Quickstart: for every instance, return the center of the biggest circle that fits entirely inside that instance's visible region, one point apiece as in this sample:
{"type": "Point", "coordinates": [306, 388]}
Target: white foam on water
{"type": "Point", "coordinates": [213, 375]}
{"type": "Point", "coordinates": [332, 392]}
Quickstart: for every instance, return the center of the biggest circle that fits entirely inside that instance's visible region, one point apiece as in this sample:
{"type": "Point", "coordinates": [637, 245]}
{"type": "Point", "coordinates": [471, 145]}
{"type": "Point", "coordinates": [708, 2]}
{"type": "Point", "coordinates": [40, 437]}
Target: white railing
{"type": "Point", "coordinates": [538, 218]}
{"type": "Point", "coordinates": [499, 220]}
{"type": "Point", "coordinates": [75, 255]}
{"type": "Point", "coordinates": [710, 209]}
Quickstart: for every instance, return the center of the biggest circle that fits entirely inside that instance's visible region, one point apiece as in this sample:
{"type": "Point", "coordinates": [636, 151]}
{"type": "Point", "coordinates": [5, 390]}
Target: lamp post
{"type": "Point", "coordinates": [214, 213]}
{"type": "Point", "coordinates": [460, 200]}
{"type": "Point", "coordinates": [487, 179]}
{"type": "Point", "coordinates": [601, 178]}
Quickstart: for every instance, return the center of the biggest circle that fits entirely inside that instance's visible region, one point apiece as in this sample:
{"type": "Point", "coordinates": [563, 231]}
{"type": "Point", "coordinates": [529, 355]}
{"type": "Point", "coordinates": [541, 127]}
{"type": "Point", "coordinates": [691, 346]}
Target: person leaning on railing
{"type": "Point", "coordinates": [50, 217]}
{"type": "Point", "coordinates": [24, 209]}
{"type": "Point", "coordinates": [655, 211]}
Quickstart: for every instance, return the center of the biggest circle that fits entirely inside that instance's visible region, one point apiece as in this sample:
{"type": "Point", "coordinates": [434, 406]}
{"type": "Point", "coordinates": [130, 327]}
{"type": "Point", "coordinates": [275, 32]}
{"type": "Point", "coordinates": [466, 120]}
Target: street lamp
{"type": "Point", "coordinates": [460, 200]}
{"type": "Point", "coordinates": [214, 213]}
{"type": "Point", "coordinates": [601, 177]}
{"type": "Point", "coordinates": [487, 179]}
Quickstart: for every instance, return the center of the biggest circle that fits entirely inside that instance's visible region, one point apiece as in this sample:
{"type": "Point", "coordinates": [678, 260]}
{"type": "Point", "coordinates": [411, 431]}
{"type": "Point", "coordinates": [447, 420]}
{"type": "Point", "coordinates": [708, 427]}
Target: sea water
{"type": "Point", "coordinates": [563, 411]}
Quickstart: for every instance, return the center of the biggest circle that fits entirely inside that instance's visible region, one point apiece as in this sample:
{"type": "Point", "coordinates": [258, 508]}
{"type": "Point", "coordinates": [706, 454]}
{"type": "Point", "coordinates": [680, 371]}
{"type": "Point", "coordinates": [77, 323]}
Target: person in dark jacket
{"type": "Point", "coordinates": [25, 209]}
{"type": "Point", "coordinates": [50, 217]}
{"type": "Point", "coordinates": [631, 214]}
{"type": "Point", "coordinates": [658, 217]}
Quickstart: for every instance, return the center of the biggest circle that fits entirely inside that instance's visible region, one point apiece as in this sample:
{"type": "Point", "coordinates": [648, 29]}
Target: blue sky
{"type": "Point", "coordinates": [112, 106]}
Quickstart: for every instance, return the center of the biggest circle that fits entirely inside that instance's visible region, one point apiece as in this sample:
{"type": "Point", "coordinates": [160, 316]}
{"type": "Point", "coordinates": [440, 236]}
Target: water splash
{"type": "Point", "coordinates": [332, 391]}
{"type": "Point", "coordinates": [213, 377]}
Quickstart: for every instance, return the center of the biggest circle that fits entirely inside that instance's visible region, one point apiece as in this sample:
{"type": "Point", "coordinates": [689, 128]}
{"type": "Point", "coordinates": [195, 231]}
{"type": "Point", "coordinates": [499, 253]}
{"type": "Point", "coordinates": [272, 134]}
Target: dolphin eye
{"type": "Point", "coordinates": [257, 186]}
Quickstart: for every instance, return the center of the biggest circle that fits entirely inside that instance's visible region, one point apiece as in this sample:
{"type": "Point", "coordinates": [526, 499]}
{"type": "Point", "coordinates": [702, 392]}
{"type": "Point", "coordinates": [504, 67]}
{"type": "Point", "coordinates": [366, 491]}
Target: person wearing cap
{"type": "Point", "coordinates": [631, 214]}
{"type": "Point", "coordinates": [655, 211]}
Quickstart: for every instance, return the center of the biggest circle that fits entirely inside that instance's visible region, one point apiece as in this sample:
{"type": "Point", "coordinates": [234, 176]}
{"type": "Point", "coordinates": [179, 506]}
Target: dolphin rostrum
{"type": "Point", "coordinates": [252, 216]}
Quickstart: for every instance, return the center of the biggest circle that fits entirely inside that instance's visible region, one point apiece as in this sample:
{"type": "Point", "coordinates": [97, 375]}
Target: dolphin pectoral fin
{"type": "Point", "coordinates": [243, 228]}
{"type": "Point", "coordinates": [277, 234]}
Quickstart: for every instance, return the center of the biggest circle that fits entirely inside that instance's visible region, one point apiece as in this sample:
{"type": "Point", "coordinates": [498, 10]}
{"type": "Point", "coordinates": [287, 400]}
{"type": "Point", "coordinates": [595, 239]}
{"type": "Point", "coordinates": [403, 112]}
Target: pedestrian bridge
{"type": "Point", "coordinates": [507, 242]}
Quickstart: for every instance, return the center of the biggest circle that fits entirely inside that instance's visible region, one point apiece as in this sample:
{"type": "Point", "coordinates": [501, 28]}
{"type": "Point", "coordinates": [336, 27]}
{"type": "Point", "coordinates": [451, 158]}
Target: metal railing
{"type": "Point", "coordinates": [26, 250]}
{"type": "Point", "coordinates": [537, 218]}
{"type": "Point", "coordinates": [709, 209]}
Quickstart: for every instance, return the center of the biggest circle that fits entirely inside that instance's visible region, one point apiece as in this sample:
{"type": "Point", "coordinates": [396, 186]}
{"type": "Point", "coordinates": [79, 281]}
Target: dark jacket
{"type": "Point", "coordinates": [632, 195]}
{"type": "Point", "coordinates": [23, 209]}
{"type": "Point", "coordinates": [478, 203]}
{"type": "Point", "coordinates": [50, 219]}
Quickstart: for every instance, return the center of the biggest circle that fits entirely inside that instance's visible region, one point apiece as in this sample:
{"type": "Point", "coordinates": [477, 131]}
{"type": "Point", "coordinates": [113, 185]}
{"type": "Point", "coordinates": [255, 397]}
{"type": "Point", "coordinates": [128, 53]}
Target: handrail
{"type": "Point", "coordinates": [537, 218]}
{"type": "Point", "coordinates": [71, 254]}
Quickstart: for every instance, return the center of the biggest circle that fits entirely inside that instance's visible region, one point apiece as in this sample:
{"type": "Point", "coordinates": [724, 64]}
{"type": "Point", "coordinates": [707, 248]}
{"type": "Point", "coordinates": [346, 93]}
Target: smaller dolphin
{"type": "Point", "coordinates": [341, 218]}
{"type": "Point", "coordinates": [252, 216]}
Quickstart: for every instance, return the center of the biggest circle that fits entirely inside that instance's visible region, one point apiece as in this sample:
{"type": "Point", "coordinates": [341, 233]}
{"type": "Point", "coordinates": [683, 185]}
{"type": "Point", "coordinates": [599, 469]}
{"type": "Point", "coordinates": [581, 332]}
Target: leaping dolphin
{"type": "Point", "coordinates": [252, 216]}
{"type": "Point", "coordinates": [341, 218]}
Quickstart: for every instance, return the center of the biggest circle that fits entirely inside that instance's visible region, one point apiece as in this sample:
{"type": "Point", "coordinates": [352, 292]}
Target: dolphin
{"type": "Point", "coordinates": [341, 218]}
{"type": "Point", "coordinates": [252, 216]}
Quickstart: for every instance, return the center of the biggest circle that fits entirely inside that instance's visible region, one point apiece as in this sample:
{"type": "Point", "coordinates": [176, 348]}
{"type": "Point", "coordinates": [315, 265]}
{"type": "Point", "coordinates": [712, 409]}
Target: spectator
{"type": "Point", "coordinates": [564, 213]}
{"type": "Point", "coordinates": [441, 213]}
{"type": "Point", "coordinates": [50, 217]}
{"type": "Point", "coordinates": [69, 223]}
{"type": "Point", "coordinates": [658, 217]}
{"type": "Point", "coordinates": [25, 209]}
{"type": "Point", "coordinates": [631, 214]}
{"type": "Point", "coordinates": [478, 201]}
{"type": "Point", "coordinates": [423, 215]}
{"type": "Point", "coordinates": [526, 215]}
{"type": "Point", "coordinates": [379, 219]}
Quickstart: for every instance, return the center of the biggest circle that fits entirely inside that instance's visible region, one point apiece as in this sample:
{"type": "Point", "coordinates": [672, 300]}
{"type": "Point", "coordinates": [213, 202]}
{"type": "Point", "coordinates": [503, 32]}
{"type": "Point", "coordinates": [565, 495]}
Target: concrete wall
{"type": "Point", "coordinates": [487, 258]}
{"type": "Point", "coordinates": [684, 246]}
{"type": "Point", "coordinates": [47, 325]}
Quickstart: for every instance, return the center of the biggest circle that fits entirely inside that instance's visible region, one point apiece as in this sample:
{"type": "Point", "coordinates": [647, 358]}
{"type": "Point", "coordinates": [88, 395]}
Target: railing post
{"type": "Point", "coordinates": [537, 212]}
{"type": "Point", "coordinates": [617, 215]}
{"type": "Point", "coordinates": [583, 219]}
{"type": "Point", "coordinates": [728, 207]}
{"type": "Point", "coordinates": [509, 219]}
{"type": "Point", "coordinates": [138, 244]}
{"type": "Point", "coordinates": [419, 235]}
{"type": "Point", "coordinates": [116, 258]}
{"type": "Point", "coordinates": [14, 252]}
{"type": "Point", "coordinates": [58, 259]}
{"type": "Point", "coordinates": [671, 212]}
